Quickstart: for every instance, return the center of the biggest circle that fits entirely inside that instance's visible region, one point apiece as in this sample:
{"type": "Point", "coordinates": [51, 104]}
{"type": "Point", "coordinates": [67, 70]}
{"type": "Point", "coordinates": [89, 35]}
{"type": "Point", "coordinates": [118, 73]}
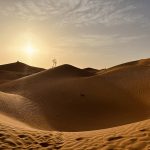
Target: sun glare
{"type": "Point", "coordinates": [29, 49]}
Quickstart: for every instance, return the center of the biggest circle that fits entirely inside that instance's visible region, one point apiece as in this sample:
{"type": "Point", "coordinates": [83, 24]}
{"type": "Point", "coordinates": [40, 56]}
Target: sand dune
{"type": "Point", "coordinates": [92, 70]}
{"type": "Point", "coordinates": [85, 101]}
{"type": "Point", "coordinates": [128, 137]}
{"type": "Point", "coordinates": [21, 108]}
{"type": "Point", "coordinates": [67, 98]}
{"type": "Point", "coordinates": [142, 62]}
{"type": "Point", "coordinates": [20, 67]}
{"type": "Point", "coordinates": [6, 76]}
{"type": "Point", "coordinates": [9, 72]}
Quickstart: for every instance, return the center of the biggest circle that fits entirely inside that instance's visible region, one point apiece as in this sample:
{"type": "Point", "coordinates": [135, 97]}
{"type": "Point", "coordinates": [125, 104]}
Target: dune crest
{"type": "Point", "coordinates": [20, 67]}
{"type": "Point", "coordinates": [13, 71]}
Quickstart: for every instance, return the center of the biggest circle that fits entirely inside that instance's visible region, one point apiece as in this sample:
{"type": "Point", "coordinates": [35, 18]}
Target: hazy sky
{"type": "Point", "coordinates": [84, 33]}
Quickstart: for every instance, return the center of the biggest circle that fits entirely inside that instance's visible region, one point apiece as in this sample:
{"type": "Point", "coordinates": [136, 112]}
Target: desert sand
{"type": "Point", "coordinates": [71, 108]}
{"type": "Point", "coordinates": [16, 70]}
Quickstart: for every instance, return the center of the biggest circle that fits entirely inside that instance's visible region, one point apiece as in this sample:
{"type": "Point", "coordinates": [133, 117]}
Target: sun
{"type": "Point", "coordinates": [29, 49]}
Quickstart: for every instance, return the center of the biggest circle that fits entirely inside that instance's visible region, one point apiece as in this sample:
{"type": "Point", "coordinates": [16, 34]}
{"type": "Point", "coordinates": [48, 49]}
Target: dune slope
{"type": "Point", "coordinates": [131, 137]}
{"type": "Point", "coordinates": [21, 108]}
{"type": "Point", "coordinates": [73, 99]}
{"type": "Point", "coordinates": [6, 76]}
{"type": "Point", "coordinates": [13, 71]}
{"type": "Point", "coordinates": [20, 67]}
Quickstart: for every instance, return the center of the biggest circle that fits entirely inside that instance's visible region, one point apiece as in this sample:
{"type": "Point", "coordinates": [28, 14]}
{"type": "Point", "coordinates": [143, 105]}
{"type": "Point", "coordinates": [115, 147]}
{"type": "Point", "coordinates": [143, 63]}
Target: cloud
{"type": "Point", "coordinates": [104, 13]}
{"type": "Point", "coordinates": [77, 12]}
{"type": "Point", "coordinates": [90, 43]}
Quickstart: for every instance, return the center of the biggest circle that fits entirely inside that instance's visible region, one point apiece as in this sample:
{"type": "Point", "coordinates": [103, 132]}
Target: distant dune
{"type": "Point", "coordinates": [6, 76]}
{"type": "Point", "coordinates": [16, 70]}
{"type": "Point", "coordinates": [92, 70]}
{"type": "Point", "coordinates": [67, 98]}
{"type": "Point", "coordinates": [20, 67]}
{"type": "Point", "coordinates": [142, 62]}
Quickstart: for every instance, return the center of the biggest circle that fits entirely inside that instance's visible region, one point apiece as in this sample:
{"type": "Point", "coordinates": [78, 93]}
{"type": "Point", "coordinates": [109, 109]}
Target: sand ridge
{"type": "Point", "coordinates": [131, 137]}
{"type": "Point", "coordinates": [22, 109]}
{"type": "Point", "coordinates": [13, 71]}
{"type": "Point", "coordinates": [20, 68]}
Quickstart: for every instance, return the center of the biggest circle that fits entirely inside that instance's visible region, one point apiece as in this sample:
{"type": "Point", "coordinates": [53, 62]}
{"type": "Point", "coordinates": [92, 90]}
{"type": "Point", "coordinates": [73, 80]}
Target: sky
{"type": "Point", "coordinates": [84, 33]}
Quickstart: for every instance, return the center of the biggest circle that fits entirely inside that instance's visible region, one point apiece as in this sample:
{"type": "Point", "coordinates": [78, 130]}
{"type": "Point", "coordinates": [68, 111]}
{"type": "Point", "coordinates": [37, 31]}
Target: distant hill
{"type": "Point", "coordinates": [20, 68]}
{"type": "Point", "coordinates": [143, 62]}
{"type": "Point", "coordinates": [16, 70]}
{"type": "Point", "coordinates": [92, 70]}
